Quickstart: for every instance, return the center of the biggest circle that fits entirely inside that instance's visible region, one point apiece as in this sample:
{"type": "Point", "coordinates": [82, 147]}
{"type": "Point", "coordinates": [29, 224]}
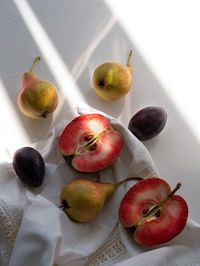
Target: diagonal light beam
{"type": "Point", "coordinates": [51, 55]}
{"type": "Point", "coordinates": [85, 57]}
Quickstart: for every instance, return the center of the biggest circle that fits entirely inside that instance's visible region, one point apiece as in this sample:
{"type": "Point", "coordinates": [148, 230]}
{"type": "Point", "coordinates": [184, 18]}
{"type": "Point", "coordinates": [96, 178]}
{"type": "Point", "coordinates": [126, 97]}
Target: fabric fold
{"type": "Point", "coordinates": [46, 235]}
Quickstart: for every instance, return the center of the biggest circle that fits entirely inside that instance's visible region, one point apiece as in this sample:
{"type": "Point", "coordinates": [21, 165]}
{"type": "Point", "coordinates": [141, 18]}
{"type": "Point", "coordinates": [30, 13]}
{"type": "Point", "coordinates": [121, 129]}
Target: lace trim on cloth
{"type": "Point", "coordinates": [111, 252]}
{"type": "Point", "coordinates": [195, 263]}
{"type": "Point", "coordinates": [196, 259]}
{"type": "Point", "coordinates": [9, 225]}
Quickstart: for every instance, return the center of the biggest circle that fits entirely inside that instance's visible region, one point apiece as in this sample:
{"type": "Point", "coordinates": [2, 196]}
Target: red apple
{"type": "Point", "coordinates": [154, 213]}
{"type": "Point", "coordinates": [90, 142]}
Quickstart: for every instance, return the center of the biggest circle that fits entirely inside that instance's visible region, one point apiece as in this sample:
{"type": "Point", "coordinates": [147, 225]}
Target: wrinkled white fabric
{"type": "Point", "coordinates": [47, 236]}
{"type": "Point", "coordinates": [183, 250]}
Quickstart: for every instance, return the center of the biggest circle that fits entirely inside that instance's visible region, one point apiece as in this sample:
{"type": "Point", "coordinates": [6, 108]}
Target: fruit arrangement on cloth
{"type": "Point", "coordinates": [150, 210]}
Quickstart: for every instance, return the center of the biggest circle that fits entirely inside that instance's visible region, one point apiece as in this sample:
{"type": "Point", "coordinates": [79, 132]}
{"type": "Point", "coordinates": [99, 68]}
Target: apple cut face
{"type": "Point", "coordinates": [90, 142]}
{"type": "Point", "coordinates": [153, 211]}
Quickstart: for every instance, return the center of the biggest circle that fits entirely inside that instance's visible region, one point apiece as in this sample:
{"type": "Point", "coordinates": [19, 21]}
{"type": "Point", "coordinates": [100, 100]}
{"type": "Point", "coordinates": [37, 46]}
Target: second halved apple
{"type": "Point", "coordinates": [153, 212]}
{"type": "Point", "coordinates": [90, 142]}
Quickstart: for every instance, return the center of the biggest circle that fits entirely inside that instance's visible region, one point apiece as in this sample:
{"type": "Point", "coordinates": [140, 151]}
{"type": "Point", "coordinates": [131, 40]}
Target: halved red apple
{"type": "Point", "coordinates": [90, 142]}
{"type": "Point", "coordinates": [154, 213]}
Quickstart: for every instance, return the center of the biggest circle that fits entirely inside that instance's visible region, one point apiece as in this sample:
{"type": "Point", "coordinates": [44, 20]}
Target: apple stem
{"type": "Point", "coordinates": [129, 57]}
{"type": "Point", "coordinates": [171, 194]}
{"type": "Point", "coordinates": [35, 61]}
{"type": "Point", "coordinates": [128, 179]}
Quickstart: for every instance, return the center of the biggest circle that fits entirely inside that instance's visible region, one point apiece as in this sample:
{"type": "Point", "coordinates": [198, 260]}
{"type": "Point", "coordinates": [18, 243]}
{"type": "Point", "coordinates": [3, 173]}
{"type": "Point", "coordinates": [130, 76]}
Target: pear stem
{"type": "Point", "coordinates": [128, 179]}
{"type": "Point", "coordinates": [129, 57]}
{"type": "Point", "coordinates": [36, 60]}
{"type": "Point", "coordinates": [171, 194]}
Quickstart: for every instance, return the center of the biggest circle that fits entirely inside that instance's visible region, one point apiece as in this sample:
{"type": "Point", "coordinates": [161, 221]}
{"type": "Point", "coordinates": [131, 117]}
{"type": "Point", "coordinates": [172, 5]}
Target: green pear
{"type": "Point", "coordinates": [37, 98]}
{"type": "Point", "coordinates": [82, 200]}
{"type": "Point", "coordinates": [111, 81]}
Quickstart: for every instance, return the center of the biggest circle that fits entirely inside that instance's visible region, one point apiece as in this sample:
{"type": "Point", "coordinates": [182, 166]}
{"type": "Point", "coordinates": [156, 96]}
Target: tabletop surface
{"type": "Point", "coordinates": [74, 37]}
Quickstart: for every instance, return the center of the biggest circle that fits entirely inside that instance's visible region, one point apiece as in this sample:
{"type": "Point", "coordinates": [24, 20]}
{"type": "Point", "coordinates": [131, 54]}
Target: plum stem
{"type": "Point", "coordinates": [35, 61]}
{"type": "Point", "coordinates": [171, 194]}
{"type": "Point", "coordinates": [128, 179]}
{"type": "Point", "coordinates": [129, 57]}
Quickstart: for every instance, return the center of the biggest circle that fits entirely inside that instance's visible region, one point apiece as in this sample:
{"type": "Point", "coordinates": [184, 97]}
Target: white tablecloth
{"type": "Point", "coordinates": [74, 37]}
{"type": "Point", "coordinates": [47, 236]}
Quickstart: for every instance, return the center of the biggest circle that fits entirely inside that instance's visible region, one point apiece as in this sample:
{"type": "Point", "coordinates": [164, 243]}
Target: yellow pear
{"type": "Point", "coordinates": [37, 98]}
{"type": "Point", "coordinates": [82, 200]}
{"type": "Point", "coordinates": [111, 81]}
